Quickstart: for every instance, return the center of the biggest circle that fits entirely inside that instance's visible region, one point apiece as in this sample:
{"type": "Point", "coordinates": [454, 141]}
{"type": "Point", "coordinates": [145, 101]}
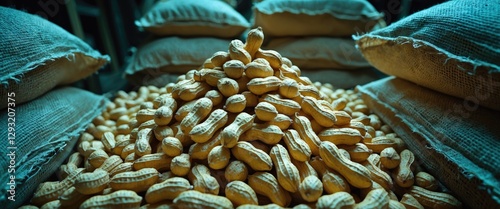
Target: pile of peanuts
{"type": "Point", "coordinates": [246, 130]}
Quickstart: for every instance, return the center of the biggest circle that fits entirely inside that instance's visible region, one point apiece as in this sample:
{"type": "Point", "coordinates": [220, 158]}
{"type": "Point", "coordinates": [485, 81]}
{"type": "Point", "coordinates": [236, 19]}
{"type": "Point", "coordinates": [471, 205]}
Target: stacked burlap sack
{"type": "Point", "coordinates": [40, 120]}
{"type": "Point", "coordinates": [444, 98]}
{"type": "Point", "coordinates": [186, 32]}
{"type": "Point", "coordinates": [316, 36]}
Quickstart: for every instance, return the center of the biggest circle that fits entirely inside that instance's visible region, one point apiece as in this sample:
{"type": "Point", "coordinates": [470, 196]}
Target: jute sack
{"type": "Point", "coordinates": [37, 55]}
{"type": "Point", "coordinates": [46, 131]}
{"type": "Point", "coordinates": [153, 62]}
{"type": "Point", "coordinates": [455, 140]}
{"type": "Point", "coordinates": [453, 48]}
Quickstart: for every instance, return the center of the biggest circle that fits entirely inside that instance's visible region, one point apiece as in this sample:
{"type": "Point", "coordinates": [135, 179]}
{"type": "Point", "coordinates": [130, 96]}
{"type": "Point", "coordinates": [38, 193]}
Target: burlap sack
{"type": "Point", "coordinates": [154, 61]}
{"type": "Point", "coordinates": [453, 48]}
{"type": "Point", "coordinates": [315, 18]}
{"type": "Point", "coordinates": [320, 52]}
{"type": "Point", "coordinates": [456, 141]}
{"type": "Point", "coordinates": [193, 18]}
{"type": "Point", "coordinates": [37, 55]}
{"type": "Point", "coordinates": [46, 131]}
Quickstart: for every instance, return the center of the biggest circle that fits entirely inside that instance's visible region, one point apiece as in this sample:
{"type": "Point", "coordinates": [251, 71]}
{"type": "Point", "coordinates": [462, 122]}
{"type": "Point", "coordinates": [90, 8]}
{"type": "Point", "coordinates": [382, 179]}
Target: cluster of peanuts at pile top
{"type": "Point", "coordinates": [245, 130]}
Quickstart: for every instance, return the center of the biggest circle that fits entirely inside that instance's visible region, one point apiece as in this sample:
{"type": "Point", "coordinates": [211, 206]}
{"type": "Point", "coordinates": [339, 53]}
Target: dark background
{"type": "Point", "coordinates": [108, 26]}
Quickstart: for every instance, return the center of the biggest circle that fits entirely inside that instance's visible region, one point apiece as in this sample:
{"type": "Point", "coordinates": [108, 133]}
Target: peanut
{"type": "Point", "coordinates": [97, 158]}
{"type": "Point", "coordinates": [137, 181]}
{"type": "Point", "coordinates": [358, 152]}
{"type": "Point", "coordinates": [338, 136]}
{"type": "Point", "coordinates": [335, 200]}
{"type": "Point", "coordinates": [410, 202]}
{"type": "Point", "coordinates": [199, 151]}
{"type": "Point", "coordinates": [202, 181]}
{"type": "Point", "coordinates": [219, 58]}
{"type": "Point", "coordinates": [227, 86]}
{"type": "Point", "coordinates": [231, 133]}
{"type": "Point", "coordinates": [394, 204]}
{"type": "Point", "coordinates": [282, 121]}
{"type": "Point", "coordinates": [257, 159]}
{"type": "Point", "coordinates": [180, 164]}
{"type": "Point", "coordinates": [167, 190]}
{"type": "Point", "coordinates": [92, 183]}
{"type": "Point", "coordinates": [159, 161]}
{"type": "Point", "coordinates": [389, 158]}
{"type": "Point", "coordinates": [426, 181]}
{"type": "Point", "coordinates": [237, 51]}
{"type": "Point", "coordinates": [311, 188]}
{"type": "Point", "coordinates": [211, 77]}
{"type": "Point", "coordinates": [357, 175]}
{"type": "Point", "coordinates": [142, 143]}
{"type": "Point", "coordinates": [322, 115]}
{"type": "Point", "coordinates": [404, 173]}
{"type": "Point", "coordinates": [145, 115]}
{"type": "Point", "coordinates": [269, 134]}
{"type": "Point", "coordinates": [196, 199]}
{"type": "Point", "coordinates": [332, 181]}
{"type": "Point", "coordinates": [240, 193]}
{"type": "Point", "coordinates": [120, 199]}
{"type": "Point", "coordinates": [215, 96]}
{"type": "Point", "coordinates": [265, 111]}
{"type": "Point", "coordinates": [218, 157]}
{"type": "Point", "coordinates": [163, 115]}
{"type": "Point", "coordinates": [236, 171]}
{"type": "Point", "coordinates": [284, 106]}
{"type": "Point", "coordinates": [287, 173]}
{"type": "Point", "coordinates": [298, 148]}
{"type": "Point", "coordinates": [289, 88]}
{"type": "Point", "coordinates": [171, 146]}
{"type": "Point", "coordinates": [234, 69]}
{"type": "Point", "coordinates": [255, 38]}
{"type": "Point", "coordinates": [235, 103]}
{"type": "Point", "coordinates": [377, 198]}
{"type": "Point", "coordinates": [205, 130]}
{"type": "Point", "coordinates": [303, 126]}
{"type": "Point", "coordinates": [433, 199]}
{"type": "Point", "coordinates": [200, 111]}
{"type": "Point", "coordinates": [126, 166]}
{"type": "Point", "coordinates": [262, 85]}
{"type": "Point", "coordinates": [266, 184]}
{"type": "Point", "coordinates": [376, 174]}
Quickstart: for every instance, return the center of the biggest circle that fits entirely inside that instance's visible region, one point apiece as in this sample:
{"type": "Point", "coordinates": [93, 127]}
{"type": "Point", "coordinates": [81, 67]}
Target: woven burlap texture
{"type": "Point", "coordinates": [453, 48]}
{"type": "Point", "coordinates": [456, 142]}
{"type": "Point", "coordinates": [31, 43]}
{"type": "Point", "coordinates": [46, 130]}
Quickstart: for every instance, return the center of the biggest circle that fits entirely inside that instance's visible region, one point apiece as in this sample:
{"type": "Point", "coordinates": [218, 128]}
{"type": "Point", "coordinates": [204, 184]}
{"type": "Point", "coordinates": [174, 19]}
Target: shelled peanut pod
{"type": "Point", "coordinates": [245, 129]}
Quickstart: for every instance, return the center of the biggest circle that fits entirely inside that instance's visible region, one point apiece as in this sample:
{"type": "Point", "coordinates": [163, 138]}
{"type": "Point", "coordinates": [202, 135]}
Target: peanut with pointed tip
{"type": "Point", "coordinates": [284, 106]}
{"type": "Point", "coordinates": [234, 69]}
{"type": "Point", "coordinates": [255, 38]}
{"type": "Point", "coordinates": [273, 57]}
{"type": "Point", "coordinates": [303, 126]}
{"type": "Point", "coordinates": [142, 143]}
{"type": "Point", "coordinates": [322, 115]}
{"type": "Point", "coordinates": [219, 58]}
{"type": "Point", "coordinates": [376, 174]}
{"type": "Point", "coordinates": [298, 148]}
